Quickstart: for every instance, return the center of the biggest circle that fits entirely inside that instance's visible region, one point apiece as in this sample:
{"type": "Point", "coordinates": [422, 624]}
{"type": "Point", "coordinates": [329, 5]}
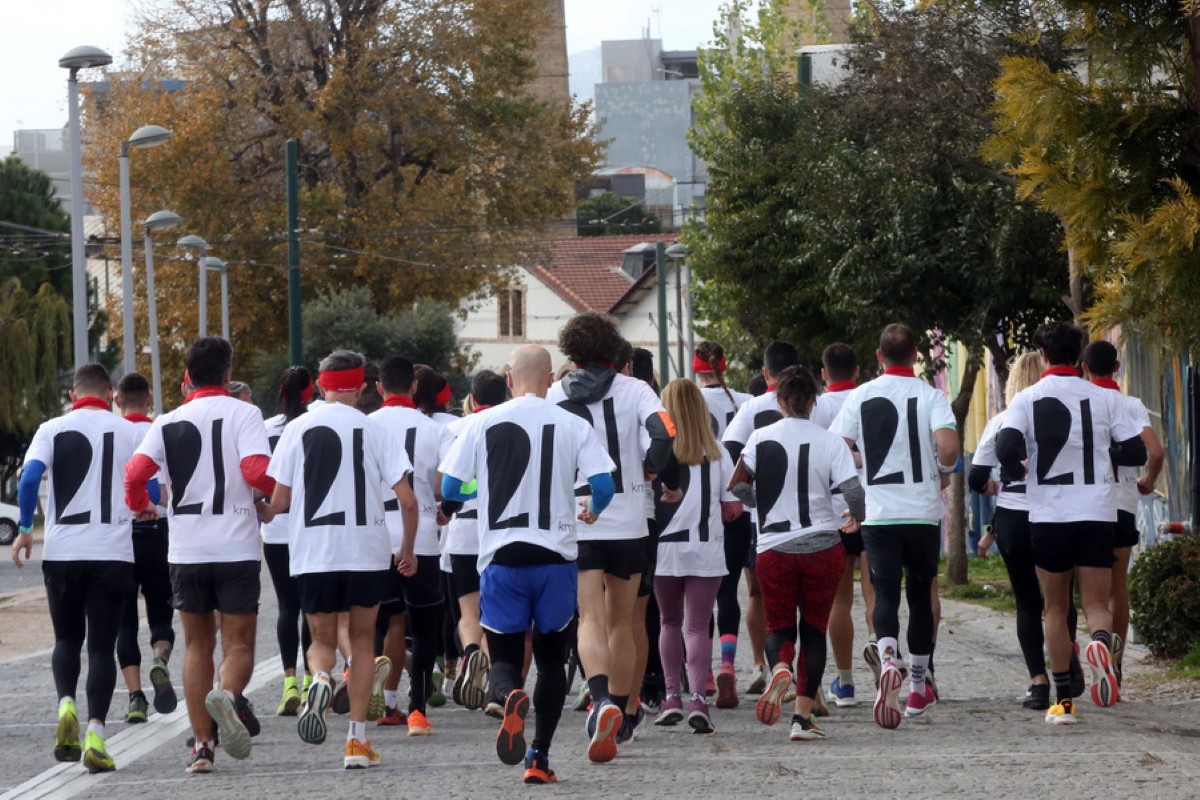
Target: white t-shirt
{"type": "Point", "coordinates": [85, 452]}
{"type": "Point", "coordinates": [426, 443]}
{"type": "Point", "coordinates": [526, 454]}
{"type": "Point", "coordinates": [758, 412]}
{"type": "Point", "coordinates": [796, 464]}
{"type": "Point", "coordinates": [1068, 425]}
{"type": "Point", "coordinates": [462, 534]}
{"type": "Point", "coordinates": [275, 531]}
{"type": "Point", "coordinates": [892, 420]}
{"type": "Point", "coordinates": [337, 461]}
{"type": "Point", "coordinates": [1012, 495]}
{"type": "Point", "coordinates": [1127, 491]}
{"type": "Point", "coordinates": [199, 447]}
{"type": "Point", "coordinates": [721, 409]}
{"type": "Point", "coordinates": [692, 541]}
{"type": "Point", "coordinates": [618, 420]}
{"type": "Point", "coordinates": [824, 412]}
{"type": "Point", "coordinates": [143, 427]}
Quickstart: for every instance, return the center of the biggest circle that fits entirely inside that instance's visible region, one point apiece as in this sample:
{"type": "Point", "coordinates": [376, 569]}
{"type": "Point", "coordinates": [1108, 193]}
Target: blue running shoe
{"type": "Point", "coordinates": [843, 696]}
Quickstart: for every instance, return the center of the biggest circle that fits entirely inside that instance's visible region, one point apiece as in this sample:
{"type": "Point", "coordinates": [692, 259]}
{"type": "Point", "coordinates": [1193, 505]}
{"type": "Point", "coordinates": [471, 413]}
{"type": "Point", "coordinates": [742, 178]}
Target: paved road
{"type": "Point", "coordinates": [977, 741]}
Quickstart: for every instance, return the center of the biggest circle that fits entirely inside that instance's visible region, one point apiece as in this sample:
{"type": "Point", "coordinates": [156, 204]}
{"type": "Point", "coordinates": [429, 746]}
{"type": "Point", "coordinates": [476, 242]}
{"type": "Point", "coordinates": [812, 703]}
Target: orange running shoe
{"type": "Point", "coordinates": [510, 741]}
{"type": "Point", "coordinates": [360, 755]}
{"type": "Point", "coordinates": [418, 725]}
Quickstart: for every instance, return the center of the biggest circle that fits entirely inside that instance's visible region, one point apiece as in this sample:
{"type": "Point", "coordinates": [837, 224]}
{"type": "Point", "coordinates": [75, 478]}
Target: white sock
{"type": "Point", "coordinates": [97, 728]}
{"type": "Point", "coordinates": [916, 670]}
{"type": "Point", "coordinates": [390, 697]}
{"type": "Point", "coordinates": [62, 700]}
{"type": "Point", "coordinates": [888, 643]}
{"type": "Point", "coordinates": [358, 731]}
{"type": "Point", "coordinates": [322, 676]}
{"type": "Point", "coordinates": [229, 694]}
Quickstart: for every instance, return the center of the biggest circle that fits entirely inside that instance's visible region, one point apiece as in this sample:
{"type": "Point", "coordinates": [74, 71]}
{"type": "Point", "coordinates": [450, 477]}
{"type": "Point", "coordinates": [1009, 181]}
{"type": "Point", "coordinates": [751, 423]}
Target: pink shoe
{"type": "Point", "coordinates": [710, 688]}
{"type": "Point", "coordinates": [1104, 680]}
{"type": "Point", "coordinates": [920, 702]}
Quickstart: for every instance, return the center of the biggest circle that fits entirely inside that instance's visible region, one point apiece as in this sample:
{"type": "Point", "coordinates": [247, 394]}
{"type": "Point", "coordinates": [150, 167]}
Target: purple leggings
{"type": "Point", "coordinates": [700, 594]}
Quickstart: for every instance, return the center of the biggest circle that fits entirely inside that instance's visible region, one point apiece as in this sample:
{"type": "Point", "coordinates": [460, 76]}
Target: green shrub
{"type": "Point", "coordinates": [1164, 596]}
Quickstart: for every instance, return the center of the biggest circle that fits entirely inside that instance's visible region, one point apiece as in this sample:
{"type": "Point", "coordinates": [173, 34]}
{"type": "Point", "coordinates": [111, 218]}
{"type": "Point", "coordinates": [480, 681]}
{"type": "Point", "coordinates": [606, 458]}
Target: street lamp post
{"type": "Point", "coordinates": [159, 220]}
{"type": "Point", "coordinates": [84, 57]}
{"type": "Point", "coordinates": [201, 247]}
{"type": "Point", "coordinates": [217, 265]}
{"type": "Point", "coordinates": [145, 136]}
{"type": "Point", "coordinates": [680, 252]}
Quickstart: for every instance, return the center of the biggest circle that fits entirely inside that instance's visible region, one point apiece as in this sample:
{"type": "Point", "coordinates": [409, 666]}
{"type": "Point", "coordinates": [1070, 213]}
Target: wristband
{"type": "Point", "coordinates": [958, 465]}
{"type": "Point", "coordinates": [24, 530]}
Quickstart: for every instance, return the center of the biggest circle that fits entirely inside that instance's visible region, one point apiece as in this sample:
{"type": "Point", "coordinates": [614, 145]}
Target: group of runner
{"type": "Point", "coordinates": [572, 518]}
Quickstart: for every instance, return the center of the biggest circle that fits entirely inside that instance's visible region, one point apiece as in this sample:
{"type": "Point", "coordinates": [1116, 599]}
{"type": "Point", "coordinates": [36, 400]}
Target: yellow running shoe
{"type": "Point", "coordinates": [360, 755]}
{"type": "Point", "coordinates": [377, 706]}
{"type": "Point", "coordinates": [289, 704]}
{"type": "Point", "coordinates": [95, 756]}
{"type": "Point", "coordinates": [1062, 713]}
{"type": "Point", "coordinates": [66, 735]}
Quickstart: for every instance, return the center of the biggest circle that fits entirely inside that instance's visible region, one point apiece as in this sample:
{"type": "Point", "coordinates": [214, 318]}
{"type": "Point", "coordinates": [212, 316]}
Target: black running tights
{"type": "Point", "coordinates": [908, 552]}
{"type": "Point", "coordinates": [549, 693]}
{"type": "Point", "coordinates": [738, 535]}
{"type": "Point", "coordinates": [425, 627]}
{"type": "Point", "coordinates": [153, 578]}
{"type": "Point", "coordinates": [812, 645]}
{"type": "Point", "coordinates": [291, 627]}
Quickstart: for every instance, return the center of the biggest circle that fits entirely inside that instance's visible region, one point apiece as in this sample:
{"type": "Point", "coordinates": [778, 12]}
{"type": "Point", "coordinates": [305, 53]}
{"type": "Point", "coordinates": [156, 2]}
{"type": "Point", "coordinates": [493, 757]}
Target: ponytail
{"type": "Point", "coordinates": [295, 390]}
{"type": "Point", "coordinates": [713, 354]}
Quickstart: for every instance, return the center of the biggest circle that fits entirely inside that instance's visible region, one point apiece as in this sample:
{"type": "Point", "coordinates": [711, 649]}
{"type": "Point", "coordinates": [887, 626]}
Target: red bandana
{"type": "Point", "coordinates": [598, 364]}
{"type": "Point", "coordinates": [90, 402]}
{"type": "Point", "coordinates": [477, 409]}
{"type": "Point", "coordinates": [342, 380]}
{"type": "Point", "coordinates": [903, 372]}
{"type": "Point", "coordinates": [702, 367]}
{"type": "Point", "coordinates": [399, 400]}
{"type": "Point", "coordinates": [207, 391]}
{"type": "Point", "coordinates": [1106, 383]}
{"type": "Point", "coordinates": [138, 418]}
{"type": "Point", "coordinates": [306, 393]}
{"type": "Point", "coordinates": [771, 387]}
{"type": "Point", "coordinates": [1069, 371]}
{"type": "Point", "coordinates": [445, 395]}
{"type": "Point", "coordinates": [841, 386]}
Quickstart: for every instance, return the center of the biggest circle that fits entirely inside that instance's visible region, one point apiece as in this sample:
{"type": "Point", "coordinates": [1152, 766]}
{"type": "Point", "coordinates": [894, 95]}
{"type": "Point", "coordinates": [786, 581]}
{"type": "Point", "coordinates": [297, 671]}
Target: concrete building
{"type": "Point", "coordinates": [47, 149]}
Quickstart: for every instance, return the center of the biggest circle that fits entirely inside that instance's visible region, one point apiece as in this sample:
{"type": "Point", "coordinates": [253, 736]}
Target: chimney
{"type": "Point", "coordinates": [552, 83]}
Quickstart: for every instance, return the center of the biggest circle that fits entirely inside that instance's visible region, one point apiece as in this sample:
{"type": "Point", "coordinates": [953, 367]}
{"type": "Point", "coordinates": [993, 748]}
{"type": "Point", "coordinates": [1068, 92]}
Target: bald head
{"type": "Point", "coordinates": [530, 370]}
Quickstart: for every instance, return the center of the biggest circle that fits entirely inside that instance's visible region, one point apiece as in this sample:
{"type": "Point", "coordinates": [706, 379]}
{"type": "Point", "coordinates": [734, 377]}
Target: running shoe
{"type": "Point", "coordinates": [341, 697]}
{"type": "Point", "coordinates": [289, 704]}
{"type": "Point", "coordinates": [235, 738]}
{"type": "Point", "coordinates": [457, 685]}
{"type": "Point", "coordinates": [510, 741]}
{"type": "Point", "coordinates": [698, 719]}
{"type": "Point", "coordinates": [1099, 666]}
{"type": "Point", "coordinates": [931, 682]}
{"type": "Point", "coordinates": [727, 695]}
{"type": "Point", "coordinates": [1062, 713]}
{"type": "Point", "coordinates": [842, 695]}
{"type": "Point", "coordinates": [474, 676]}
{"type": "Point", "coordinates": [214, 735]}
{"type": "Point", "coordinates": [871, 656]}
{"type": "Point", "coordinates": [819, 707]}
{"type": "Point", "coordinates": [494, 709]}
{"type": "Point", "coordinates": [138, 708]}
{"type": "Point", "coordinates": [672, 711]}
{"type": "Point", "coordinates": [1037, 697]}
{"type": "Point", "coordinates": [1118, 647]}
{"type": "Point", "coordinates": [758, 679]}
{"type": "Point", "coordinates": [920, 702]}
{"type": "Point", "coordinates": [393, 716]}
{"type": "Point", "coordinates": [418, 725]}
{"type": "Point", "coordinates": [245, 712]}
{"type": "Point", "coordinates": [584, 699]}
{"type": "Point", "coordinates": [537, 768]}
{"type": "Point", "coordinates": [95, 756]}
{"type": "Point", "coordinates": [769, 706]}
{"type": "Point", "coordinates": [202, 762]}
{"type": "Point", "coordinates": [360, 755]}
{"type": "Point", "coordinates": [806, 729]}
{"type": "Point", "coordinates": [607, 720]}
{"type": "Point", "coordinates": [311, 725]}
{"type": "Point", "coordinates": [66, 734]}
{"type": "Point", "coordinates": [165, 700]}
{"type": "Point", "coordinates": [710, 686]}
{"type": "Point", "coordinates": [887, 710]}
{"type": "Point", "coordinates": [1078, 684]}
{"type": "Point", "coordinates": [437, 698]}
{"type": "Point", "coordinates": [377, 705]}
{"type": "Point", "coordinates": [308, 679]}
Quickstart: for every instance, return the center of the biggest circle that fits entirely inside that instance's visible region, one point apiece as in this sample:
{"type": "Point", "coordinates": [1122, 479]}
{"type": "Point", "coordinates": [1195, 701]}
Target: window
{"type": "Point", "coordinates": [512, 313]}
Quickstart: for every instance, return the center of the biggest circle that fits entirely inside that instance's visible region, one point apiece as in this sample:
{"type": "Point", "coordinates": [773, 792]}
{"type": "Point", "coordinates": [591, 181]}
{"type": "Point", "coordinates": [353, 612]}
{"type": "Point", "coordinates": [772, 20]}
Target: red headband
{"type": "Point", "coordinates": [306, 393]}
{"type": "Point", "coordinates": [342, 380]}
{"type": "Point", "coordinates": [699, 365]}
{"type": "Point", "coordinates": [187, 378]}
{"type": "Point", "coordinates": [445, 395]}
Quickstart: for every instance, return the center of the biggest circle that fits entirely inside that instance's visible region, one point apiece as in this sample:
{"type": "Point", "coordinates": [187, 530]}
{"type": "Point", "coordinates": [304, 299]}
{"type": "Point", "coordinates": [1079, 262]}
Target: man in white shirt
{"type": "Point", "coordinates": [525, 455]}
{"type": "Point", "coordinates": [904, 430]}
{"type": "Point", "coordinates": [87, 558]}
{"type": "Point", "coordinates": [332, 464]}
{"type": "Point", "coordinates": [213, 452]}
{"type": "Point", "coordinates": [1068, 435]}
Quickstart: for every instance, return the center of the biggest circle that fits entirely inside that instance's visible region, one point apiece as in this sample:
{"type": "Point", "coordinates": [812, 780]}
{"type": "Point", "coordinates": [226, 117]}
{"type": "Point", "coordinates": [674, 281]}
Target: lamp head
{"type": "Point", "coordinates": [149, 136]}
{"type": "Point", "coordinates": [213, 263]}
{"type": "Point", "coordinates": [162, 220]}
{"type": "Point", "coordinates": [83, 57]}
{"type": "Point", "coordinates": [678, 250]}
{"type": "Point", "coordinates": [192, 241]}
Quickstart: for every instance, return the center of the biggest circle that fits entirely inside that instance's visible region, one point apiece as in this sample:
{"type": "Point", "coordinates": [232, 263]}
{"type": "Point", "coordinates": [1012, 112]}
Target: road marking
{"type": "Point", "coordinates": [68, 780]}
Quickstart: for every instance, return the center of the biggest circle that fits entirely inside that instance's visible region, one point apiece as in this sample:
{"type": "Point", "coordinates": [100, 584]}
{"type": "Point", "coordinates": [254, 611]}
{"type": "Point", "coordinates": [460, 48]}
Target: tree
{"type": "Point", "coordinates": [608, 214]}
{"type": "Point", "coordinates": [39, 251]}
{"type": "Point", "coordinates": [425, 162]}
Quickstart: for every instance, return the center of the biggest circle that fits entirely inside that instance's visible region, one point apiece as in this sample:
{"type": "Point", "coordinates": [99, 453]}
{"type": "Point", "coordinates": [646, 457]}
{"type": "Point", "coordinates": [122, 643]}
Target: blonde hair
{"type": "Point", "coordinates": [695, 443]}
{"type": "Point", "coordinates": [1023, 371]}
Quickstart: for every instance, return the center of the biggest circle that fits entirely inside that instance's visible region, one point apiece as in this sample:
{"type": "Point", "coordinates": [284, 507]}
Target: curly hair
{"type": "Point", "coordinates": [590, 338]}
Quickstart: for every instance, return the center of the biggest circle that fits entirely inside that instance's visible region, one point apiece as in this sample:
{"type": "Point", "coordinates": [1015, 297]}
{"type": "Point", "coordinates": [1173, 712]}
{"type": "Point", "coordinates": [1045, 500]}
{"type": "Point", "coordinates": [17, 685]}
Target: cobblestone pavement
{"type": "Point", "coordinates": [978, 741]}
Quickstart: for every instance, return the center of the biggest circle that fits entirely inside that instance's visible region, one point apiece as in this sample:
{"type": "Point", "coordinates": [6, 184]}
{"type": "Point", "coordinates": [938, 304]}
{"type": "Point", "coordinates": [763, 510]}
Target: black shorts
{"type": "Point", "coordinates": [622, 558]}
{"type": "Point", "coordinates": [422, 589]}
{"type": "Point", "coordinates": [464, 575]}
{"type": "Point", "coordinates": [150, 568]}
{"type": "Point", "coordinates": [739, 543]}
{"type": "Point", "coordinates": [334, 592]}
{"type": "Point", "coordinates": [1126, 534]}
{"type": "Point", "coordinates": [77, 583]}
{"type": "Point", "coordinates": [231, 587]}
{"type": "Point", "coordinates": [853, 543]}
{"type": "Point", "coordinates": [646, 587]}
{"type": "Point", "coordinates": [1062, 546]}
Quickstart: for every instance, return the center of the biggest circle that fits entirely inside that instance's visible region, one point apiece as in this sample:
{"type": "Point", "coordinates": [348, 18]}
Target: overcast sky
{"type": "Point", "coordinates": [35, 34]}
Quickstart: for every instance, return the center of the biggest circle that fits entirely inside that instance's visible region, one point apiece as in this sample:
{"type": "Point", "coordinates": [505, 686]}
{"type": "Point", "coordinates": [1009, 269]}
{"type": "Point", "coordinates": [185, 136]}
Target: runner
{"type": "Point", "coordinates": [213, 451]}
{"type": "Point", "coordinates": [334, 463]}
{"type": "Point", "coordinates": [904, 430]}
{"type": "Point", "coordinates": [795, 465]}
{"type": "Point", "coordinates": [612, 554]}
{"type": "Point", "coordinates": [1100, 364]}
{"type": "Point", "coordinates": [87, 555]}
{"type": "Point", "coordinates": [763, 410]}
{"type": "Point", "coordinates": [525, 455]}
{"type": "Point", "coordinates": [1071, 433]}
{"type": "Point", "coordinates": [291, 629]}
{"type": "Point", "coordinates": [709, 366]}
{"type": "Point", "coordinates": [691, 552]}
{"type": "Point", "coordinates": [415, 599]}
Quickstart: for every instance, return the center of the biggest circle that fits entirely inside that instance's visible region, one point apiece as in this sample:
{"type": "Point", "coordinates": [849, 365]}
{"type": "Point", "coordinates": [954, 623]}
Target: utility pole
{"type": "Point", "coordinates": [295, 332]}
{"type": "Point", "coordinates": [664, 352]}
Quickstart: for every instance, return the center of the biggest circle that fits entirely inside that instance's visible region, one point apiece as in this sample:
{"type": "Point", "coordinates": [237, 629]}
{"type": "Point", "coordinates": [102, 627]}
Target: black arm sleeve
{"type": "Point", "coordinates": [1010, 452]}
{"type": "Point", "coordinates": [450, 507]}
{"type": "Point", "coordinates": [978, 477]}
{"type": "Point", "coordinates": [1129, 453]}
{"type": "Point", "coordinates": [661, 439]}
{"type": "Point", "coordinates": [670, 473]}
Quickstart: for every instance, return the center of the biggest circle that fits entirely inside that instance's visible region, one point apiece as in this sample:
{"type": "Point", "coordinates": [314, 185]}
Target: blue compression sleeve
{"type": "Point", "coordinates": [154, 490]}
{"type": "Point", "coordinates": [603, 489]}
{"type": "Point", "coordinates": [454, 489]}
{"type": "Point", "coordinates": [27, 491]}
